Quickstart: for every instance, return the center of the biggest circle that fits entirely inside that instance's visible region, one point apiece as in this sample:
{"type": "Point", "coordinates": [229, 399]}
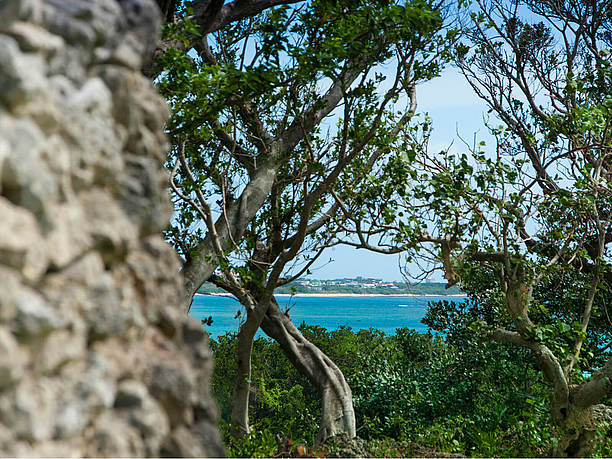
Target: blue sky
{"type": "Point", "coordinates": [453, 107]}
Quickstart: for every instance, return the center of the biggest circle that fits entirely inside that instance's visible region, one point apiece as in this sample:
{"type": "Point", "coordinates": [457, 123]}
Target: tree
{"type": "Point", "coordinates": [251, 143]}
{"type": "Point", "coordinates": [210, 16]}
{"type": "Point", "coordinates": [206, 17]}
{"type": "Point", "coordinates": [537, 210]}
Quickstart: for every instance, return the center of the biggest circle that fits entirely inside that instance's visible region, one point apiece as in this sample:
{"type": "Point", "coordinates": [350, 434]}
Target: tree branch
{"type": "Point", "coordinates": [211, 16]}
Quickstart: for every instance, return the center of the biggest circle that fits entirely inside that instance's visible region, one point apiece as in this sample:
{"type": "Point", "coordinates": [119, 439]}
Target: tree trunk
{"type": "Point", "coordinates": [242, 386]}
{"type": "Point", "coordinates": [167, 9]}
{"type": "Point", "coordinates": [577, 434]}
{"type": "Point", "coordinates": [337, 414]}
{"type": "Point", "coordinates": [571, 405]}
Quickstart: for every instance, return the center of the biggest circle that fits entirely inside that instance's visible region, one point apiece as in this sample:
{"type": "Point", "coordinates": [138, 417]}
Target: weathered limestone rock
{"type": "Point", "coordinates": [20, 74]}
{"type": "Point", "coordinates": [95, 357]}
{"type": "Point", "coordinates": [112, 436]}
{"type": "Point", "coordinates": [21, 243]}
{"type": "Point", "coordinates": [11, 359]}
{"type": "Point", "coordinates": [30, 407]}
{"type": "Point", "coordinates": [602, 415]}
{"type": "Point", "coordinates": [35, 318]}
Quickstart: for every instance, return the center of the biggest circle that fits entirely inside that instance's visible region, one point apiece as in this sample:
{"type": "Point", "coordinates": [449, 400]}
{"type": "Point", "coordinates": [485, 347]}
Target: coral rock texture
{"type": "Point", "coordinates": [95, 357]}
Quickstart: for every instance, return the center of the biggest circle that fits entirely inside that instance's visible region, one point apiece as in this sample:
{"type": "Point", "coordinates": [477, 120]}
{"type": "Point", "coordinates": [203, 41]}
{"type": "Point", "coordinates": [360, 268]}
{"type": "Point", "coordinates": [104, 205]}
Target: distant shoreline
{"type": "Point", "coordinates": [349, 295]}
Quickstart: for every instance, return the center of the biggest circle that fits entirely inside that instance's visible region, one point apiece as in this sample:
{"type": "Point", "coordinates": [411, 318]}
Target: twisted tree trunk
{"type": "Point", "coordinates": [577, 433]}
{"type": "Point", "coordinates": [337, 414]}
{"type": "Point", "coordinates": [242, 386]}
{"type": "Point", "coordinates": [579, 425]}
{"type": "Point", "coordinates": [571, 405]}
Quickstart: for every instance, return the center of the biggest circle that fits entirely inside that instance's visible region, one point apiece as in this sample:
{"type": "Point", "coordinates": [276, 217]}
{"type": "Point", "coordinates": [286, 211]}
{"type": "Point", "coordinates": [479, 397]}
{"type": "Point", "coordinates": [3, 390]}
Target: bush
{"type": "Point", "coordinates": [480, 399]}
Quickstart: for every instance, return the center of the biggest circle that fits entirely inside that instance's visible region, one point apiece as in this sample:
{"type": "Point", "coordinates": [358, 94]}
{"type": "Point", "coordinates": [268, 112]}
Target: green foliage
{"type": "Point", "coordinates": [557, 308]}
{"type": "Point", "coordinates": [280, 397]}
{"type": "Point", "coordinates": [409, 389]}
{"type": "Point", "coordinates": [473, 399]}
{"type": "Point", "coordinates": [603, 440]}
{"type": "Point", "coordinates": [261, 443]}
{"type": "Point", "coordinates": [533, 208]}
{"type": "Point", "coordinates": [236, 106]}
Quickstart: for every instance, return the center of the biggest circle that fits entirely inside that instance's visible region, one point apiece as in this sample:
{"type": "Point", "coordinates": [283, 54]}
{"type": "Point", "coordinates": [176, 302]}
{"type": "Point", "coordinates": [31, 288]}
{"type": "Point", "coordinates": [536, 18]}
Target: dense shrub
{"type": "Point", "coordinates": [480, 398]}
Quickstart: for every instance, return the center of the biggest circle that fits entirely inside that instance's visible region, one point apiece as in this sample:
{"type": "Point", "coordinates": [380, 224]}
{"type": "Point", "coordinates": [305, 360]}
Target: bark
{"type": "Point", "coordinates": [337, 414]}
{"type": "Point", "coordinates": [571, 407]}
{"type": "Point", "coordinates": [574, 413]}
{"type": "Point", "coordinates": [211, 16]}
{"type": "Point", "coordinates": [230, 227]}
{"type": "Point", "coordinates": [578, 428]}
{"type": "Point", "coordinates": [577, 433]}
{"type": "Point", "coordinates": [596, 388]}
{"type": "Point", "coordinates": [242, 386]}
{"type": "Point", "coordinates": [167, 9]}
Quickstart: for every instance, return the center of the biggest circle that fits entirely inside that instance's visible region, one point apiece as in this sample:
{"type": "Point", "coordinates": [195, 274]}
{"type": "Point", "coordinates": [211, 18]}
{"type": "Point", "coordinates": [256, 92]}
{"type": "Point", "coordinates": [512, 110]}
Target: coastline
{"type": "Point", "coordinates": [348, 295]}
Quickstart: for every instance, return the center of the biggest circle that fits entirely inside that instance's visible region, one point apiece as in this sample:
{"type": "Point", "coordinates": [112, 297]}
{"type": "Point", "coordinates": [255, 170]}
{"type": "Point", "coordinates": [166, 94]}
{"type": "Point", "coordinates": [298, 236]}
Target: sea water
{"type": "Point", "coordinates": [384, 313]}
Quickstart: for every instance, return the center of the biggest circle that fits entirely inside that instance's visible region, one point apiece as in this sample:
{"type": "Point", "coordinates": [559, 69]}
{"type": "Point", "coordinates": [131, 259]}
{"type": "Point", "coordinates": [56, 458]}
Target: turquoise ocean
{"type": "Point", "coordinates": [384, 313]}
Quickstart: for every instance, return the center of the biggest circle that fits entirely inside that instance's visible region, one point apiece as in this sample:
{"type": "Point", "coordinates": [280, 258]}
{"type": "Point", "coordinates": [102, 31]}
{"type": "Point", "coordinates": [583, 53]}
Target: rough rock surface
{"type": "Point", "coordinates": [342, 445]}
{"type": "Point", "coordinates": [95, 358]}
{"type": "Point", "coordinates": [602, 415]}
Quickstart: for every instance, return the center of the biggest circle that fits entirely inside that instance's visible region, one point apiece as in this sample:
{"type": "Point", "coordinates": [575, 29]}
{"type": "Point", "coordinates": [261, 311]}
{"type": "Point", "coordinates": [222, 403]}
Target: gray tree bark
{"type": "Point", "coordinates": [229, 227]}
{"type": "Point", "coordinates": [242, 386]}
{"type": "Point", "coordinates": [578, 425]}
{"type": "Point", "coordinates": [571, 405]}
{"type": "Point", "coordinates": [337, 413]}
